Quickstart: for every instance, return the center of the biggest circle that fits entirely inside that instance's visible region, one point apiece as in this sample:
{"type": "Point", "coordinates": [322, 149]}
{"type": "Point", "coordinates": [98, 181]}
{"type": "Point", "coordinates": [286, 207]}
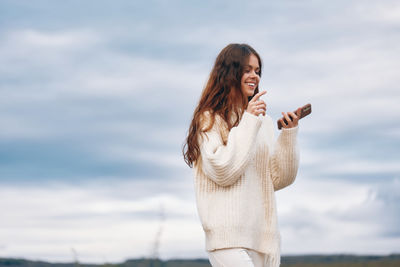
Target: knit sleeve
{"type": "Point", "coordinates": [225, 163]}
{"type": "Point", "coordinates": [284, 161]}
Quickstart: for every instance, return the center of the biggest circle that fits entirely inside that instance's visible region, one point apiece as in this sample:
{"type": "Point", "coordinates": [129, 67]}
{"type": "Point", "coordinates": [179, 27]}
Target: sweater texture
{"type": "Point", "coordinates": [235, 183]}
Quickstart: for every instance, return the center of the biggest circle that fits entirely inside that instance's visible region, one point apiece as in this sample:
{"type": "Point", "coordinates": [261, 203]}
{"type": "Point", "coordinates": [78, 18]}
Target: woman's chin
{"type": "Point", "coordinates": [250, 93]}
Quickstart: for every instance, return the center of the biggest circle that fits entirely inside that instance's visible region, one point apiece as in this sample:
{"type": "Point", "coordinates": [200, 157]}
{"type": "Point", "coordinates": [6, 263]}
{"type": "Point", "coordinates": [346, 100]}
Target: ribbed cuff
{"type": "Point", "coordinates": [288, 135]}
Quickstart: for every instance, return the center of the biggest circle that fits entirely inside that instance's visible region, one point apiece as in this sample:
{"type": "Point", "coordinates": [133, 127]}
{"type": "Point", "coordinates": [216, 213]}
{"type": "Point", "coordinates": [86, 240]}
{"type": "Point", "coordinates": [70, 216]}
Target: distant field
{"type": "Point", "coordinates": [341, 261]}
{"type": "Point", "coordinates": [287, 261]}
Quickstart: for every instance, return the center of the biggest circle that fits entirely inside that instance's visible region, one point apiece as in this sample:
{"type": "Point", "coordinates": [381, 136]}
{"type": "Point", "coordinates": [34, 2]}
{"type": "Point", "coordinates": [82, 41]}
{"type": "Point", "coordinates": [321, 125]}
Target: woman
{"type": "Point", "coordinates": [237, 166]}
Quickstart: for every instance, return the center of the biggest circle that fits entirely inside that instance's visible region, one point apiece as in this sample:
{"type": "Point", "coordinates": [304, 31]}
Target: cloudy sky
{"type": "Point", "coordinates": [97, 96]}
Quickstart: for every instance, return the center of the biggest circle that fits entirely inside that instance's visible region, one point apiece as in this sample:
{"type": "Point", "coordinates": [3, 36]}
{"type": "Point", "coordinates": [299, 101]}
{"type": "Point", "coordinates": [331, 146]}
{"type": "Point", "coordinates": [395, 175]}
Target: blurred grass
{"type": "Point", "coordinates": [287, 261]}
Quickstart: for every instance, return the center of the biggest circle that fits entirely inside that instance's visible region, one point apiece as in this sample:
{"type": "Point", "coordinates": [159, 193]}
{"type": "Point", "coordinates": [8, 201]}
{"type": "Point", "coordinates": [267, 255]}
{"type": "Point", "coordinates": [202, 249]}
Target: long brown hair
{"type": "Point", "coordinates": [221, 96]}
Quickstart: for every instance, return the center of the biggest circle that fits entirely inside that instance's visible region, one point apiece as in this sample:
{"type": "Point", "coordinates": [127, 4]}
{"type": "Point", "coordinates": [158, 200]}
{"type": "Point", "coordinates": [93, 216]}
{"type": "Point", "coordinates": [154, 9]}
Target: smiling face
{"type": "Point", "coordinates": [251, 76]}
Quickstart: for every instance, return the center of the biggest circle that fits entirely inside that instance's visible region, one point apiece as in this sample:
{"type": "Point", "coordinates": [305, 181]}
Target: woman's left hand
{"type": "Point", "coordinates": [291, 118]}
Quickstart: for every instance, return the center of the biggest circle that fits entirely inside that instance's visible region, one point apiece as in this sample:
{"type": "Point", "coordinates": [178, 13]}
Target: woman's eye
{"type": "Point", "coordinates": [249, 70]}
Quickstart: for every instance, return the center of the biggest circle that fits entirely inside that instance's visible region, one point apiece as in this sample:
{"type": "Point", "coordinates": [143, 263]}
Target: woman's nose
{"type": "Point", "coordinates": [253, 73]}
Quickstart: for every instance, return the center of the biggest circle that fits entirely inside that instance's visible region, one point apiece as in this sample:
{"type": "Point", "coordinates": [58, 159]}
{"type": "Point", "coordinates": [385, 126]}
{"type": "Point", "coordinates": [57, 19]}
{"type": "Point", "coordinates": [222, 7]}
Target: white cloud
{"type": "Point", "coordinates": [115, 220]}
{"type": "Point", "coordinates": [333, 162]}
{"type": "Point", "coordinates": [45, 223]}
{"type": "Point", "coordinates": [385, 12]}
{"type": "Point", "coordinates": [329, 216]}
{"type": "Point", "coordinates": [40, 39]}
{"type": "Point", "coordinates": [26, 52]}
{"type": "Point", "coordinates": [75, 87]}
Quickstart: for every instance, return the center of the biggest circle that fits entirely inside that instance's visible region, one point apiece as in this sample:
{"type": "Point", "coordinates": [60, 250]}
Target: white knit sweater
{"type": "Point", "coordinates": [235, 183]}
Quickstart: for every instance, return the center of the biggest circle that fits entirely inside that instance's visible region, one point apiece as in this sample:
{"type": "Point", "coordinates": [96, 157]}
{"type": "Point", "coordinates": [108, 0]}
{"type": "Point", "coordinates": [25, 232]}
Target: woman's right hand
{"type": "Point", "coordinates": [257, 106]}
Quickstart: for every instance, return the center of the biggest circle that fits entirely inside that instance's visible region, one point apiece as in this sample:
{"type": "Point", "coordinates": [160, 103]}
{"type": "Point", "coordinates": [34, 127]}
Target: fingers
{"type": "Point", "coordinates": [257, 108]}
{"type": "Point", "coordinates": [261, 105]}
{"type": "Point", "coordinates": [293, 116]}
{"type": "Point", "coordinates": [286, 120]}
{"type": "Point", "coordinates": [257, 96]}
{"type": "Point", "coordinates": [290, 118]}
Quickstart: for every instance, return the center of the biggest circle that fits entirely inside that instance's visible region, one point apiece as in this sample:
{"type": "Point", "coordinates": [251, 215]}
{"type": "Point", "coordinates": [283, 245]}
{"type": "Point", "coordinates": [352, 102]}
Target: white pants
{"type": "Point", "coordinates": [236, 257]}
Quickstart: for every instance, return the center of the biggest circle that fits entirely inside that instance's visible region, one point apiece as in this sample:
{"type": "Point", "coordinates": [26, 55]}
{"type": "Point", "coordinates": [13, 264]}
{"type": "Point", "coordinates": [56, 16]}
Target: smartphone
{"type": "Point", "coordinates": [305, 110]}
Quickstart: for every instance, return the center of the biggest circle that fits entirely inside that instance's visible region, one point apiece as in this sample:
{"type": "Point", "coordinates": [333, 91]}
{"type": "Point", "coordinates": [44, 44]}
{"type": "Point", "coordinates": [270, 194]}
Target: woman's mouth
{"type": "Point", "coordinates": [251, 85]}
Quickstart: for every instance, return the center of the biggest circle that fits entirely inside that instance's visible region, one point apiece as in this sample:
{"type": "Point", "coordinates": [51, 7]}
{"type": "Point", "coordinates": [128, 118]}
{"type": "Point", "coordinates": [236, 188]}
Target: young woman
{"type": "Point", "coordinates": [237, 165]}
